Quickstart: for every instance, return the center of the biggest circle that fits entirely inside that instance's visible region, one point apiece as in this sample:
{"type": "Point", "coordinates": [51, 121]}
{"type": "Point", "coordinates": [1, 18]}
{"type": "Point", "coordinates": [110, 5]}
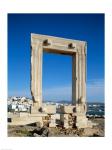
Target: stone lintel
{"type": "Point", "coordinates": [69, 43]}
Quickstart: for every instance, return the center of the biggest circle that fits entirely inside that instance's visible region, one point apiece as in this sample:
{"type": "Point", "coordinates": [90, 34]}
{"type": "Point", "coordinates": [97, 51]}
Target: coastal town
{"type": "Point", "coordinates": [23, 104]}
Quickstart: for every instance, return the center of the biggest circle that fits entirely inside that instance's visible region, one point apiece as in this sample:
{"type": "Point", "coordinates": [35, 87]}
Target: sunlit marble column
{"type": "Point", "coordinates": [81, 119]}
{"type": "Point", "coordinates": [36, 72]}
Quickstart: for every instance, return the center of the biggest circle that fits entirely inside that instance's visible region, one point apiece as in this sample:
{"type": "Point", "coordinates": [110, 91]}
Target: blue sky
{"type": "Point", "coordinates": [57, 69]}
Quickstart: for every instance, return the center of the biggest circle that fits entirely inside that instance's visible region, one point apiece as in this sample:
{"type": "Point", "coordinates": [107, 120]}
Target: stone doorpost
{"type": "Point", "coordinates": [36, 72]}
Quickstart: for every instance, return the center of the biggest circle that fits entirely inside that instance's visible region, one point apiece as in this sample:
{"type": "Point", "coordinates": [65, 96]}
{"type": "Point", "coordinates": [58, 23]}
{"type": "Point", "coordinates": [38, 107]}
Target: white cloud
{"type": "Point", "coordinates": [58, 93]}
{"type": "Point", "coordinates": [95, 91]}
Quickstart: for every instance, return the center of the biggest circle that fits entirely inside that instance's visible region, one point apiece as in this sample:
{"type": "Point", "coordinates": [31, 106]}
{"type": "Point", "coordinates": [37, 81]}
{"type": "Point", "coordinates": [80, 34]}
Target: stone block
{"type": "Point", "coordinates": [52, 121]}
{"type": "Point", "coordinates": [83, 122]}
{"type": "Point", "coordinates": [66, 125]}
{"type": "Point", "coordinates": [67, 109]}
{"type": "Point", "coordinates": [22, 114]}
{"type": "Point", "coordinates": [64, 118]}
{"type": "Point", "coordinates": [49, 109]}
{"type": "Point", "coordinates": [81, 108]}
{"type": "Point", "coordinates": [24, 120]}
{"type": "Point", "coordinates": [52, 125]}
{"type": "Point", "coordinates": [35, 108]}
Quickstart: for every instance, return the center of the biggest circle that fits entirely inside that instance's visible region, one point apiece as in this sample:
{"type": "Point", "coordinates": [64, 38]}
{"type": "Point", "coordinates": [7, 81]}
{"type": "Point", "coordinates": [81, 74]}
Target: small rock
{"type": "Point", "coordinates": [45, 132]}
{"type": "Point", "coordinates": [36, 135]}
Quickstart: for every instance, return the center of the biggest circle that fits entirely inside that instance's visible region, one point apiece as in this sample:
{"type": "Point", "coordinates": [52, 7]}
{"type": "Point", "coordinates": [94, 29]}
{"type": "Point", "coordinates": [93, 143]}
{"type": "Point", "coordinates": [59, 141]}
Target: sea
{"type": "Point", "coordinates": [96, 109]}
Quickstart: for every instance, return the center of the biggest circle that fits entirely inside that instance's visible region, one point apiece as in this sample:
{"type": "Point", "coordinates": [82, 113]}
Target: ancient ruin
{"type": "Point", "coordinates": [75, 114]}
{"type": "Point", "coordinates": [66, 116]}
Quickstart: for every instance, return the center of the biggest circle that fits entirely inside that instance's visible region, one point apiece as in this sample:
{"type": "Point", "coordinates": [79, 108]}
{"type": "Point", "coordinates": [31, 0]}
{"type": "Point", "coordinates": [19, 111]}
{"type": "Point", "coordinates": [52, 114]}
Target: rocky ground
{"type": "Point", "coordinates": [36, 131]}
